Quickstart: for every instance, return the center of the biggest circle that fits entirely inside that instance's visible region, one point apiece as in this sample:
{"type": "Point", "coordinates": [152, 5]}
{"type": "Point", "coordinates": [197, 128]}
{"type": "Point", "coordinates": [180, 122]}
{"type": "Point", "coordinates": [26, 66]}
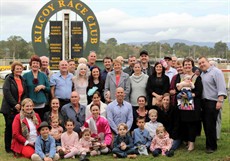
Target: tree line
{"type": "Point", "coordinates": [16, 47]}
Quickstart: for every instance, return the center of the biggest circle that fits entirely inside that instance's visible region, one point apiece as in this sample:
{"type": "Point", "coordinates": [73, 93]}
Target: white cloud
{"type": "Point", "coordinates": [128, 22]}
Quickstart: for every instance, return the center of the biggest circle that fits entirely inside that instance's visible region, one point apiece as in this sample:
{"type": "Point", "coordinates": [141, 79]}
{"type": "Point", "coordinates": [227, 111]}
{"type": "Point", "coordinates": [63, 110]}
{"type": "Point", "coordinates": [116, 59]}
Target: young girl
{"type": "Point", "coordinates": [69, 141]}
{"type": "Point", "coordinates": [88, 144]}
{"type": "Point", "coordinates": [56, 131]}
{"type": "Point", "coordinates": [161, 143]}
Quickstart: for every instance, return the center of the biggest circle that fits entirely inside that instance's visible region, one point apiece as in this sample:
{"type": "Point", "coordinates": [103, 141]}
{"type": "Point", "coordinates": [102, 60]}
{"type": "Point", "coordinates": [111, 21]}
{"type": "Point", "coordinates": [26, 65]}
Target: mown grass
{"type": "Point", "coordinates": [181, 154]}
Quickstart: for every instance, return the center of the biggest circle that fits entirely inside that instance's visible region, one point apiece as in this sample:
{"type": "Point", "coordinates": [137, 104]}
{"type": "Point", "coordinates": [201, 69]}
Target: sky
{"type": "Point", "coordinates": [132, 20]}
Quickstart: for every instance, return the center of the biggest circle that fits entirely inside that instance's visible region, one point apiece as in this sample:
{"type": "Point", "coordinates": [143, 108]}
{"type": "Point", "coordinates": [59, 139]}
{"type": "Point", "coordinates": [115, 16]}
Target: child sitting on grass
{"type": "Point", "coordinates": [123, 143]}
{"type": "Point", "coordinates": [45, 145]}
{"type": "Point", "coordinates": [161, 143]}
{"type": "Point", "coordinates": [69, 141]}
{"type": "Point", "coordinates": [89, 144]}
{"type": "Point", "coordinates": [152, 125]}
{"type": "Point", "coordinates": [141, 137]}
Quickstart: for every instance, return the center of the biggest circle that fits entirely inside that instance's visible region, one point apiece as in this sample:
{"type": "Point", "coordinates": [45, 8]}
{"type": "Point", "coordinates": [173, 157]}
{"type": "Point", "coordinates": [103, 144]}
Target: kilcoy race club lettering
{"type": "Point", "coordinates": [52, 7]}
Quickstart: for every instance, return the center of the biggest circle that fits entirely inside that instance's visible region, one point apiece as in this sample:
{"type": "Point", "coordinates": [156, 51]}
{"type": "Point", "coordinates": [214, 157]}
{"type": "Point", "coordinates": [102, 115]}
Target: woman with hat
{"type": "Point", "coordinates": [24, 130]}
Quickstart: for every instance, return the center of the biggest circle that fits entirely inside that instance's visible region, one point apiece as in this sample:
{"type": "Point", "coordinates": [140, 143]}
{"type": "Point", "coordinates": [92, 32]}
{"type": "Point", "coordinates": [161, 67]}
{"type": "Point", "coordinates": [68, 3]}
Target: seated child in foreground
{"type": "Point", "coordinates": [123, 143]}
{"type": "Point", "coordinates": [185, 87]}
{"type": "Point", "coordinates": [56, 131]}
{"type": "Point", "coordinates": [161, 143]}
{"type": "Point", "coordinates": [141, 137]}
{"type": "Point", "coordinates": [69, 141]}
{"type": "Point", "coordinates": [89, 144]}
{"type": "Point", "coordinates": [152, 125]}
{"type": "Point", "coordinates": [45, 145]}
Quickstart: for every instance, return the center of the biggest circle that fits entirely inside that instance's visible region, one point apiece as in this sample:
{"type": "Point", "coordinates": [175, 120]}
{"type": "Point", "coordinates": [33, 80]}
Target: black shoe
{"type": "Point", "coordinates": [209, 151]}
{"type": "Point", "coordinates": [9, 151]}
{"type": "Point", "coordinates": [170, 153]}
{"type": "Point", "coordinates": [83, 158]}
{"type": "Point", "coordinates": [155, 154]}
{"type": "Point", "coordinates": [61, 153]}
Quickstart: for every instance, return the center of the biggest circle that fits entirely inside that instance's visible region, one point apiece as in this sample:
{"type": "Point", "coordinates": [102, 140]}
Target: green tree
{"type": "Point", "coordinates": [221, 49]}
{"type": "Point", "coordinates": [17, 46]}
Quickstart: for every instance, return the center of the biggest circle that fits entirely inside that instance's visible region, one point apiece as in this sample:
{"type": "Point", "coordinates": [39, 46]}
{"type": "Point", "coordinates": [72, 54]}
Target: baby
{"type": "Point", "coordinates": [185, 87]}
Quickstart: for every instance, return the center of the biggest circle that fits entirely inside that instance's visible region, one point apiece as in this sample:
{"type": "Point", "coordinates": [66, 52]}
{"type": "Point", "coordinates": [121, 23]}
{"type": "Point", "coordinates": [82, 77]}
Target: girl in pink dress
{"type": "Point", "coordinates": [69, 141]}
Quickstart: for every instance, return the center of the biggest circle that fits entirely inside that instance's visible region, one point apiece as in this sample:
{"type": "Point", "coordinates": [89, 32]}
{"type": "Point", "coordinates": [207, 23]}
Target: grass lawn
{"type": "Point", "coordinates": [181, 154]}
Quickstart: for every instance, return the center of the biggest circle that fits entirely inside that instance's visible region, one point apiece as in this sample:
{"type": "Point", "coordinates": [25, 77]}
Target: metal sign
{"type": "Point", "coordinates": [54, 6]}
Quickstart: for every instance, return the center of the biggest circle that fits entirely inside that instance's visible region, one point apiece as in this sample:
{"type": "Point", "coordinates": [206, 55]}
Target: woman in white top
{"type": "Point", "coordinates": [96, 100]}
{"type": "Point", "coordinates": [24, 129]}
{"type": "Point", "coordinates": [81, 82]}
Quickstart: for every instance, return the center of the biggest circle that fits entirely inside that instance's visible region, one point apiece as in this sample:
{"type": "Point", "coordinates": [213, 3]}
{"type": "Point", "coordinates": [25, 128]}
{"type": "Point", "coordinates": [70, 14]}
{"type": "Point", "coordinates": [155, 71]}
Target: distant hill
{"type": "Point", "coordinates": [173, 41]}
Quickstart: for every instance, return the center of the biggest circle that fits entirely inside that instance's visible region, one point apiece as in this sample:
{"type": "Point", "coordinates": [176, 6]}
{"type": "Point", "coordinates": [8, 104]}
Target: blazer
{"type": "Point", "coordinates": [110, 84]}
{"type": "Point", "coordinates": [10, 94]}
{"type": "Point", "coordinates": [18, 140]}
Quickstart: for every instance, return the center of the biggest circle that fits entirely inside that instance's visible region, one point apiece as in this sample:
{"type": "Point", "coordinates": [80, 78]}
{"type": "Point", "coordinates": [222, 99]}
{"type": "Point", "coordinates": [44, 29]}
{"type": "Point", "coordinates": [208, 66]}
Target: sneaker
{"type": "Point", "coordinates": [132, 156]}
{"type": "Point", "coordinates": [114, 155]}
{"type": "Point", "coordinates": [61, 153]}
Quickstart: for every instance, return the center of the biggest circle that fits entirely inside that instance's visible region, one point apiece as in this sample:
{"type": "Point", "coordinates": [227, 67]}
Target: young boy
{"type": "Point", "coordinates": [141, 137]}
{"type": "Point", "coordinates": [45, 145]}
{"type": "Point", "coordinates": [152, 125]}
{"type": "Point", "coordinates": [123, 143]}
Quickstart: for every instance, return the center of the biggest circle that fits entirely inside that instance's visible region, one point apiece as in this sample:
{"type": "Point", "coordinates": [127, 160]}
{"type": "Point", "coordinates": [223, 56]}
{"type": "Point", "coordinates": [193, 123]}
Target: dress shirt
{"type": "Point", "coordinates": [63, 86]}
{"type": "Point", "coordinates": [141, 137]}
{"type": "Point", "coordinates": [213, 84]}
{"type": "Point", "coordinates": [119, 114]}
{"type": "Point", "coordinates": [78, 118]}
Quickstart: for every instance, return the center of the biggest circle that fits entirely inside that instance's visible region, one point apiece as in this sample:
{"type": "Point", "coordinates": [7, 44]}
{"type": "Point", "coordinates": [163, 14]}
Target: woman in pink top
{"type": "Point", "coordinates": [100, 128]}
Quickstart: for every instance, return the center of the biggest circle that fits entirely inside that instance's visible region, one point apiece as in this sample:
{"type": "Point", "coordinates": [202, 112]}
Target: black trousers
{"type": "Point", "coordinates": [9, 118]}
{"type": "Point", "coordinates": [209, 121]}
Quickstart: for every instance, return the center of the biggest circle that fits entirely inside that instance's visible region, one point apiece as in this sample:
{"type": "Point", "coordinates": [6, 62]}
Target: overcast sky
{"type": "Point", "coordinates": [133, 21]}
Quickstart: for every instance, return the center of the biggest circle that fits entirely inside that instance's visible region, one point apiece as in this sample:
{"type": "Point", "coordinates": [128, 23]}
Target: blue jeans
{"type": "Point", "coordinates": [187, 92]}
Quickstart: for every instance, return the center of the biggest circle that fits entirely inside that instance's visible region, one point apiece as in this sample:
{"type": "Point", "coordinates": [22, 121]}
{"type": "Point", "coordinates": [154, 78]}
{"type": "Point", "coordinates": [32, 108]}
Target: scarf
{"type": "Point", "coordinates": [23, 115]}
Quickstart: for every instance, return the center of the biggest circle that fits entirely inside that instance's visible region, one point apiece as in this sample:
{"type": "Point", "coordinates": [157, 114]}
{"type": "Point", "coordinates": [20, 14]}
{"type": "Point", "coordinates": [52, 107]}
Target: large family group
{"type": "Point", "coordinates": [128, 111]}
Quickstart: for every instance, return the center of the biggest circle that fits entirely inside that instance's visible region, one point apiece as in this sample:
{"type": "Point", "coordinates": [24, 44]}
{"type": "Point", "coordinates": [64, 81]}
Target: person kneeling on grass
{"type": "Point", "coordinates": [45, 149]}
{"type": "Point", "coordinates": [123, 143]}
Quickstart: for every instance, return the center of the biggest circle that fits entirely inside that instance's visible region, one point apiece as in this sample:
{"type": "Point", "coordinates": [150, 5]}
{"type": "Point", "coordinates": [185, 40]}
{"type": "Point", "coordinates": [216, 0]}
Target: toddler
{"type": "Point", "coordinates": [152, 125]}
{"type": "Point", "coordinates": [161, 143]}
{"type": "Point", "coordinates": [185, 87]}
{"type": "Point", "coordinates": [141, 137]}
{"type": "Point", "coordinates": [123, 143]}
{"type": "Point", "coordinates": [89, 144]}
{"type": "Point", "coordinates": [56, 131]}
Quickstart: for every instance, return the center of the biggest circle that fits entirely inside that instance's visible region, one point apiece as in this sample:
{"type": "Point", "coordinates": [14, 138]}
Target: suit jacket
{"type": "Point", "coordinates": [110, 84]}
{"type": "Point", "coordinates": [18, 139]}
{"type": "Point", "coordinates": [10, 95]}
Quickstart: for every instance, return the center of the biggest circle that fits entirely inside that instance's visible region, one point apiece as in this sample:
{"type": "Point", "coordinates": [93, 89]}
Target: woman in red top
{"type": "Point", "coordinates": [24, 129]}
{"type": "Point", "coordinates": [14, 91]}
